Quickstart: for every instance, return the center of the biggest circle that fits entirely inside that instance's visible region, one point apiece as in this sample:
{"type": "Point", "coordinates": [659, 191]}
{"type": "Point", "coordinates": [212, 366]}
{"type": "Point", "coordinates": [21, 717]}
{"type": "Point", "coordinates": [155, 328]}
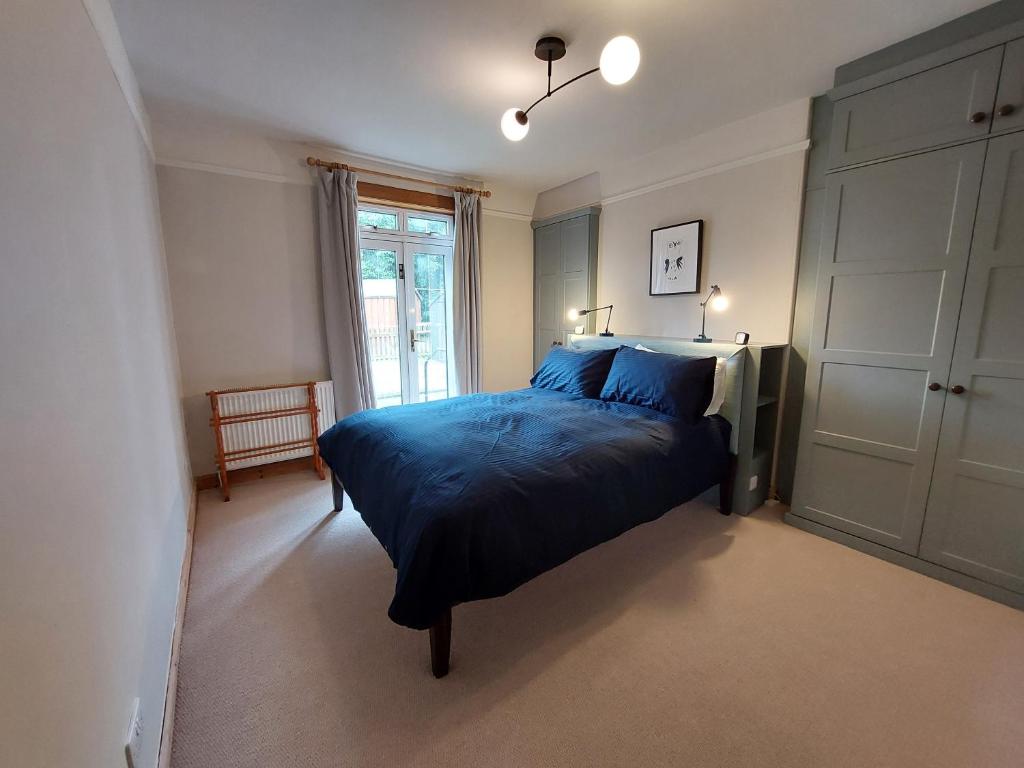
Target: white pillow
{"type": "Point", "coordinates": [718, 395]}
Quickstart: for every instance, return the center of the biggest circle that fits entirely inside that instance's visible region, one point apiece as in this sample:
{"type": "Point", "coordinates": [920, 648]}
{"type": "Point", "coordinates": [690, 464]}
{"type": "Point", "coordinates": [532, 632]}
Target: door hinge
{"type": "Point", "coordinates": [401, 271]}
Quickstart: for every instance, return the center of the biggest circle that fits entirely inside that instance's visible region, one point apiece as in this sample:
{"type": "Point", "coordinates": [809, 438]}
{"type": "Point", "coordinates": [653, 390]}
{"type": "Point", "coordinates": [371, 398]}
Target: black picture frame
{"type": "Point", "coordinates": [689, 288]}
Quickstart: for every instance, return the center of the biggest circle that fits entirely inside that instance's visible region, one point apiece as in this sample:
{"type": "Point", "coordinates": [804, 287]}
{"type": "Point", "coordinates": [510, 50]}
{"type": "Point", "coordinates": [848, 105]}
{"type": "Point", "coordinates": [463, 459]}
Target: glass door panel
{"type": "Point", "coordinates": [385, 320]}
{"type": "Point", "coordinates": [429, 302]}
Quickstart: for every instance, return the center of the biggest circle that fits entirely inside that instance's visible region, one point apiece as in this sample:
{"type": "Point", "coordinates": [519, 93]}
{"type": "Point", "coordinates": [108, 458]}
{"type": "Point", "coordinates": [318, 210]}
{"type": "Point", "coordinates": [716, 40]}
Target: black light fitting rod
{"type": "Point", "coordinates": [550, 49]}
{"type": "Point", "coordinates": [619, 61]}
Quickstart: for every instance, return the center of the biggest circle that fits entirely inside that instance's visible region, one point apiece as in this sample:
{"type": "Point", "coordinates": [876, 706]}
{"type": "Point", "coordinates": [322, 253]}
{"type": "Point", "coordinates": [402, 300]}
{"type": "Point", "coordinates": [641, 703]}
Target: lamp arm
{"type": "Point", "coordinates": [551, 93]}
{"type": "Point", "coordinates": [714, 290]}
{"type": "Point", "coordinates": [609, 322]}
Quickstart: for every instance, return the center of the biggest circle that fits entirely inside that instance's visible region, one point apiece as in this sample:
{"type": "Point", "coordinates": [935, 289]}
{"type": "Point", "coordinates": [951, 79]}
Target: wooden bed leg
{"type": "Point", "coordinates": [441, 644]}
{"type": "Point", "coordinates": [726, 488]}
{"type": "Point", "coordinates": [339, 492]}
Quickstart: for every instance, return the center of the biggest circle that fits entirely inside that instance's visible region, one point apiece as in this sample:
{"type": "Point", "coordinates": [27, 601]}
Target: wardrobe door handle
{"type": "Point", "coordinates": [979, 117]}
{"type": "Point", "coordinates": [935, 386]}
{"type": "Point", "coordinates": [957, 390]}
{"type": "Point", "coordinates": [1006, 110]}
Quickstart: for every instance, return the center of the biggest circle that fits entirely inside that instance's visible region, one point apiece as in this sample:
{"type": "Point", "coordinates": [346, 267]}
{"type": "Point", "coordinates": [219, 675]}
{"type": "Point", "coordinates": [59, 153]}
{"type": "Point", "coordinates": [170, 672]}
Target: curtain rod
{"type": "Point", "coordinates": [315, 161]}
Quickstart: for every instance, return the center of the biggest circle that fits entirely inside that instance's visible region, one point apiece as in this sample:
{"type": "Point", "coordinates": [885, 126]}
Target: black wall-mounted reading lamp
{"type": "Point", "coordinates": [576, 314]}
{"type": "Point", "coordinates": [718, 303]}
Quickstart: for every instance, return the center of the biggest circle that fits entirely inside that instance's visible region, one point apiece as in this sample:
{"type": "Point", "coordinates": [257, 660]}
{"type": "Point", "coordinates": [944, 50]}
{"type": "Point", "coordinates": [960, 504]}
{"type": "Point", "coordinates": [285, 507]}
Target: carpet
{"type": "Point", "coordinates": [696, 640]}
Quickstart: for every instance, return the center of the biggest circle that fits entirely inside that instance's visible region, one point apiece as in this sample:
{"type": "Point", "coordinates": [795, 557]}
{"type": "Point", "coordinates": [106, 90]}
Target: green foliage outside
{"type": "Point", "coordinates": [429, 275]}
{"type": "Point", "coordinates": [377, 219]}
{"type": "Point", "coordinates": [379, 265]}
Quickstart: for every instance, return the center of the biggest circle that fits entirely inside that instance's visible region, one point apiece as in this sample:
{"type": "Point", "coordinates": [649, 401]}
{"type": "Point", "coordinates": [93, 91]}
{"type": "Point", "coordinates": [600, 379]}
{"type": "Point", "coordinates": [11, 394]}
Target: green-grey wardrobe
{"type": "Point", "coordinates": [912, 432]}
{"type": "Point", "coordinates": [565, 277]}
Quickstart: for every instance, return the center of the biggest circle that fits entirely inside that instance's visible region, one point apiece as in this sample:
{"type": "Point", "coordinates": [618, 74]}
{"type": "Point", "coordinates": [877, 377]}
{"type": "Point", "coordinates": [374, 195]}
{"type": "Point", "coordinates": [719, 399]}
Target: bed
{"type": "Point", "coordinates": [473, 496]}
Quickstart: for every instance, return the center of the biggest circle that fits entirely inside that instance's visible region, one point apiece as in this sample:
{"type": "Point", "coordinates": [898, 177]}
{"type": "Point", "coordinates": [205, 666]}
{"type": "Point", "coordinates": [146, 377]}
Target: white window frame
{"type": "Point", "coordinates": [403, 232]}
{"type": "Point", "coordinates": [431, 216]}
{"type": "Point", "coordinates": [381, 209]}
{"type": "Point", "coordinates": [400, 240]}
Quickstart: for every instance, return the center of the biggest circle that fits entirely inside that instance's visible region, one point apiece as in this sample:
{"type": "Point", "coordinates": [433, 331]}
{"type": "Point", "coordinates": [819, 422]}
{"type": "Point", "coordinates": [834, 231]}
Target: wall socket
{"type": "Point", "coordinates": [133, 745]}
{"type": "Point", "coordinates": [753, 483]}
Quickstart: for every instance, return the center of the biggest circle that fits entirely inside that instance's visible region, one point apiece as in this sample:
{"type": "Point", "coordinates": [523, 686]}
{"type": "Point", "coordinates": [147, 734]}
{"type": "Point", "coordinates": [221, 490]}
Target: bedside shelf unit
{"type": "Point", "coordinates": [763, 385]}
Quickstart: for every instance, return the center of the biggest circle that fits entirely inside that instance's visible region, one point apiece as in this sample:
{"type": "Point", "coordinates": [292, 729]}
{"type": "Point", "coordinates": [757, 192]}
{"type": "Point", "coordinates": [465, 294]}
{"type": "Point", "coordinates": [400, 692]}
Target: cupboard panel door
{"type": "Point", "coordinates": [547, 289]}
{"type": "Point", "coordinates": [549, 250]}
{"type": "Point", "coordinates": [563, 280]}
{"type": "Point", "coordinates": [891, 271]}
{"type": "Point", "coordinates": [975, 520]}
{"type": "Point", "coordinates": [934, 107]}
{"type": "Point", "coordinates": [575, 297]}
{"type": "Point", "coordinates": [576, 246]}
{"type": "Point", "coordinates": [1011, 89]}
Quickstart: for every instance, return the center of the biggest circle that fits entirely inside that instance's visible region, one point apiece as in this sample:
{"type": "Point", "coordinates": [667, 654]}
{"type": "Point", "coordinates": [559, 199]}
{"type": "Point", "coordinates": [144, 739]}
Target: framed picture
{"type": "Point", "coordinates": [675, 258]}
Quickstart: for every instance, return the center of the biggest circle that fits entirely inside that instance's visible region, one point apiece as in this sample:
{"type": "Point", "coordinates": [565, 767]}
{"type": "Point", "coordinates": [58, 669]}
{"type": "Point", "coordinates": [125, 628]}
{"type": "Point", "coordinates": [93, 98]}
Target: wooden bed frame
{"type": "Point", "coordinates": [441, 632]}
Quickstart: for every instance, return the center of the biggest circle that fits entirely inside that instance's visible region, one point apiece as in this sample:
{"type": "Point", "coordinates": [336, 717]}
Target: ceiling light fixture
{"type": "Point", "coordinates": [619, 61]}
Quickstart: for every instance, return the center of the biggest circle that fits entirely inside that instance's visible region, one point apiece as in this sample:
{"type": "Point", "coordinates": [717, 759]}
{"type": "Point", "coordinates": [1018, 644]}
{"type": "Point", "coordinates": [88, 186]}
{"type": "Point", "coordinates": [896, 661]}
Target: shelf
{"type": "Point", "coordinates": [763, 400]}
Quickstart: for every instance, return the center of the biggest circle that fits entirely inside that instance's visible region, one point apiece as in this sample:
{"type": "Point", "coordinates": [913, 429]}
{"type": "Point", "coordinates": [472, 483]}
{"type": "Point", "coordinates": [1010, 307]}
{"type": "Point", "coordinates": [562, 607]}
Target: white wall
{"type": "Point", "coordinates": [94, 483]}
{"type": "Point", "coordinates": [244, 276]}
{"type": "Point", "coordinates": [239, 224]}
{"type": "Point", "coordinates": [506, 252]}
{"type": "Point", "coordinates": [745, 180]}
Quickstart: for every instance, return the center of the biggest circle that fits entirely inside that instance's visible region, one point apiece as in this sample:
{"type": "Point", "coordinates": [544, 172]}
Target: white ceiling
{"type": "Point", "coordinates": [426, 82]}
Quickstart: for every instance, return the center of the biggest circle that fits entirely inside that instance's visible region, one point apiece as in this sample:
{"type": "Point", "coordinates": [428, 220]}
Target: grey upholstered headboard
{"type": "Point", "coordinates": [734, 355]}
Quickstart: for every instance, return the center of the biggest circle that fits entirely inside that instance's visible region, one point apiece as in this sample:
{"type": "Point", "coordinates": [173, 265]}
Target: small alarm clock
{"type": "Point", "coordinates": [742, 337]}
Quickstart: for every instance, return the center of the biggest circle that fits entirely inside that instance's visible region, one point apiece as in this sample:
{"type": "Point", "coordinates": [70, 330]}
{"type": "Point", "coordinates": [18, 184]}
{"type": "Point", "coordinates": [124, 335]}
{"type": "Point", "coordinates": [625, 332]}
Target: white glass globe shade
{"type": "Point", "coordinates": [512, 128]}
{"type": "Point", "coordinates": [719, 303]}
{"type": "Point", "coordinates": [620, 60]}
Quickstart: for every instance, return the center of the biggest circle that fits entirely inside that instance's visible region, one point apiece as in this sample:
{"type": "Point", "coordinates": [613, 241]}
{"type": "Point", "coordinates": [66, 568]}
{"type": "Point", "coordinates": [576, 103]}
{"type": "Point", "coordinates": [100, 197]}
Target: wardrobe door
{"type": "Point", "coordinates": [890, 278]}
{"type": "Point", "coordinates": [562, 281]}
{"type": "Point", "coordinates": [1010, 101]}
{"type": "Point", "coordinates": [940, 105]}
{"type": "Point", "coordinates": [575, 274]}
{"type": "Point", "coordinates": [547, 289]}
{"type": "Point", "coordinates": [975, 520]}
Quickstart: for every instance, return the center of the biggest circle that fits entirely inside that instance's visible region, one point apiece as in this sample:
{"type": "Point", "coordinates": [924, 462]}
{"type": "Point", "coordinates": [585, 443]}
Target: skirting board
{"type": "Point", "coordinates": [957, 579]}
{"type": "Point", "coordinates": [167, 728]}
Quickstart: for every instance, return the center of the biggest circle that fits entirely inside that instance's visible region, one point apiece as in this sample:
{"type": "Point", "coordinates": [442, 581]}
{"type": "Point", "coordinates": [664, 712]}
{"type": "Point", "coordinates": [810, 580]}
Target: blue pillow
{"type": "Point", "coordinates": [578, 373]}
{"type": "Point", "coordinates": [676, 385]}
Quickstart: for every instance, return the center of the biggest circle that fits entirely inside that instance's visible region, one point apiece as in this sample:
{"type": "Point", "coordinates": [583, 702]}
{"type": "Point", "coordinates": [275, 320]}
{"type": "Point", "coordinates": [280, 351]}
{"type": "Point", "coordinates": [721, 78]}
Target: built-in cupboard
{"type": "Point", "coordinates": [912, 432]}
{"type": "Point", "coordinates": [565, 277]}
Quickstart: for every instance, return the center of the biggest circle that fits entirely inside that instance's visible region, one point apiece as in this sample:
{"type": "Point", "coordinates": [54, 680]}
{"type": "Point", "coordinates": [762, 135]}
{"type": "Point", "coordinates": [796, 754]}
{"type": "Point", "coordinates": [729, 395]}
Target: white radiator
{"type": "Point", "coordinates": [273, 431]}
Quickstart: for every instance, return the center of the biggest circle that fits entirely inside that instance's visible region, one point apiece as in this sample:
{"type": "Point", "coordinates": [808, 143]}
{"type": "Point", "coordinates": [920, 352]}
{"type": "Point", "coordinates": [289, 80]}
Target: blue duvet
{"type": "Point", "coordinates": [473, 496]}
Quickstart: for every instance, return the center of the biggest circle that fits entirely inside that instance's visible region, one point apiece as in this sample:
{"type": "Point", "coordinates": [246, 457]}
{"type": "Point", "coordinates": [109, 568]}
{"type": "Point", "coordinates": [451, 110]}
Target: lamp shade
{"type": "Point", "coordinates": [511, 127]}
{"type": "Point", "coordinates": [620, 60]}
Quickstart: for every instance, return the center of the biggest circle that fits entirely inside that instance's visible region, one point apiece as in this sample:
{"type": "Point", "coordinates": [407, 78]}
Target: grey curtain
{"type": "Point", "coordinates": [466, 292]}
{"type": "Point", "coordinates": [344, 314]}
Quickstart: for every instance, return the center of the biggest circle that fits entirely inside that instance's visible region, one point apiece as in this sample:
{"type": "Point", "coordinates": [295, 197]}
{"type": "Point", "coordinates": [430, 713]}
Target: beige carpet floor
{"type": "Point", "coordinates": [697, 640]}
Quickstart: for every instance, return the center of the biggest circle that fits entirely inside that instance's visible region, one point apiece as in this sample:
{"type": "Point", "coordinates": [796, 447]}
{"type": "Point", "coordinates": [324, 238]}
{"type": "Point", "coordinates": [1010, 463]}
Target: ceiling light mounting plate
{"type": "Point", "coordinates": [550, 49]}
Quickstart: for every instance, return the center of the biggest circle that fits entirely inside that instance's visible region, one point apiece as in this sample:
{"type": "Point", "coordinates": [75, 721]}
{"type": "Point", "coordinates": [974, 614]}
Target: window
{"type": "Point", "coordinates": [421, 224]}
{"type": "Point", "coordinates": [436, 226]}
{"type": "Point", "coordinates": [370, 219]}
{"type": "Point", "coordinates": [406, 281]}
